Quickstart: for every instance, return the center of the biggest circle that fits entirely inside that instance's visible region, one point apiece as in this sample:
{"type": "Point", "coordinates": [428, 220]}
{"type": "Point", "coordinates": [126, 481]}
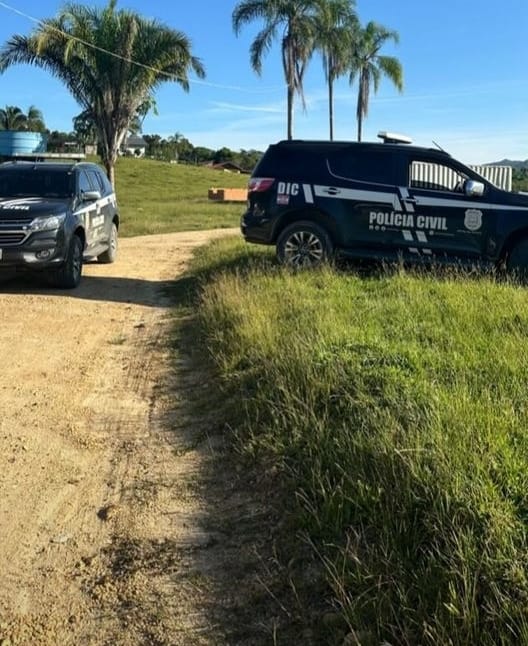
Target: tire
{"type": "Point", "coordinates": [110, 254]}
{"type": "Point", "coordinates": [69, 275]}
{"type": "Point", "coordinates": [517, 262]}
{"type": "Point", "coordinates": [304, 244]}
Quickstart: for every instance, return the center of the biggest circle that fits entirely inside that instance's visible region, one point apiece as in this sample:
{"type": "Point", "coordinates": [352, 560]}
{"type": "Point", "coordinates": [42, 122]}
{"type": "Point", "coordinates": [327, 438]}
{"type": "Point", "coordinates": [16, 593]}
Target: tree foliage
{"type": "Point", "coordinates": [336, 34]}
{"type": "Point", "coordinates": [13, 118]}
{"type": "Point", "coordinates": [75, 47]}
{"type": "Point", "coordinates": [179, 148]}
{"type": "Point", "coordinates": [293, 22]}
{"type": "Point", "coordinates": [368, 66]}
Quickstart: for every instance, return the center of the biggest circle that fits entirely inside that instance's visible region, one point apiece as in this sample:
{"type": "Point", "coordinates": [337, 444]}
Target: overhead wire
{"type": "Point", "coordinates": [126, 59]}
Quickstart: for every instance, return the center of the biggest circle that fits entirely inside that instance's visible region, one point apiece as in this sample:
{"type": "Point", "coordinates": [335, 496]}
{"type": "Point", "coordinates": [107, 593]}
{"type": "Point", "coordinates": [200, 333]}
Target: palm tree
{"type": "Point", "coordinates": [293, 21]}
{"type": "Point", "coordinates": [109, 60]}
{"type": "Point", "coordinates": [84, 128]}
{"type": "Point", "coordinates": [12, 118]}
{"type": "Point", "coordinates": [369, 66]}
{"type": "Point", "coordinates": [337, 29]}
{"type": "Point", "coordinates": [35, 120]}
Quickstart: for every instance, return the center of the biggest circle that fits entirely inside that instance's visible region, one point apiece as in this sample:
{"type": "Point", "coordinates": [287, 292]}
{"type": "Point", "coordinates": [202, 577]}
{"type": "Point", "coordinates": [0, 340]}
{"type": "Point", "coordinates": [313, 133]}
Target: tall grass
{"type": "Point", "coordinates": [397, 405]}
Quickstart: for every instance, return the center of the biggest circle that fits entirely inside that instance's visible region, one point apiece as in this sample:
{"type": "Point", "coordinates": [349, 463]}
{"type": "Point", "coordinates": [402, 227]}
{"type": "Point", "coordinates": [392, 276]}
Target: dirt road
{"type": "Point", "coordinates": [104, 530]}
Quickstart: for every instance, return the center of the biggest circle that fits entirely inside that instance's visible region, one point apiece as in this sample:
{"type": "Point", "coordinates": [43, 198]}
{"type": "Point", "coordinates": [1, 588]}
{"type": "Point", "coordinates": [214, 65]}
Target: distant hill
{"type": "Point", "coordinates": [508, 162]}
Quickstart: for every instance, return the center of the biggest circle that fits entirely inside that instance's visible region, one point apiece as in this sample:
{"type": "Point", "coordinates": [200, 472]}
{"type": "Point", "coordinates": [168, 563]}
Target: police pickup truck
{"type": "Point", "coordinates": [53, 215]}
{"type": "Point", "coordinates": [387, 200]}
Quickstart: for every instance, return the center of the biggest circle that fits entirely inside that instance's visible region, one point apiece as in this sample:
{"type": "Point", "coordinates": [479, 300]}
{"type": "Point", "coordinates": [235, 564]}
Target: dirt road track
{"type": "Point", "coordinates": [102, 510]}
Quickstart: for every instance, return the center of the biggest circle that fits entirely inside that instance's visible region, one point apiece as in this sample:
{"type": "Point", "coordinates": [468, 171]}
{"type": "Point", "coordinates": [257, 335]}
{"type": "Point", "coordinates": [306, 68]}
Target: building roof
{"type": "Point", "coordinates": [135, 141]}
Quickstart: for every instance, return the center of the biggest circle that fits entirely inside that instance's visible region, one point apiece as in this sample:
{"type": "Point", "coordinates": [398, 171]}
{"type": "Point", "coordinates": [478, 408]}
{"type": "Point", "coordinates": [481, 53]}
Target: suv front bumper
{"type": "Point", "coordinates": [41, 250]}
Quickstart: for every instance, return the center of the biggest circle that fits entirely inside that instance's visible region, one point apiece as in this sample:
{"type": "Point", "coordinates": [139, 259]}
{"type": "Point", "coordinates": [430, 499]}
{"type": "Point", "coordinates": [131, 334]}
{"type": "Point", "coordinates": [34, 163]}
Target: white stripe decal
{"type": "Point", "coordinates": [427, 252]}
{"type": "Point", "coordinates": [408, 235]}
{"type": "Point", "coordinates": [421, 236]}
{"type": "Point", "coordinates": [414, 250]}
{"type": "Point", "coordinates": [469, 204]}
{"type": "Point", "coordinates": [357, 195]}
{"type": "Point", "coordinates": [308, 195]}
{"type": "Point", "coordinates": [407, 206]}
{"type": "Point", "coordinates": [94, 205]}
{"type": "Point", "coordinates": [393, 200]}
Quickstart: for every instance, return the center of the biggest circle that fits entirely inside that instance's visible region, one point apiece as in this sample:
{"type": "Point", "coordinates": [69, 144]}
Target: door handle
{"type": "Point", "coordinates": [332, 191]}
{"type": "Point", "coordinates": [410, 200]}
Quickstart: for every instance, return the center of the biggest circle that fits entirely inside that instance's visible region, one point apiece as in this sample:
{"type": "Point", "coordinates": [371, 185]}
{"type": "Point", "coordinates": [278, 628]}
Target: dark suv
{"type": "Point", "coordinates": [53, 215]}
{"type": "Point", "coordinates": [382, 201]}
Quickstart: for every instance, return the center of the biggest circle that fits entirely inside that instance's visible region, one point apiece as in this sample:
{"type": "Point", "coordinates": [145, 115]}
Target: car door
{"type": "Point", "coordinates": [91, 211]}
{"type": "Point", "coordinates": [367, 200]}
{"type": "Point", "coordinates": [447, 220]}
{"type": "Point", "coordinates": [105, 206]}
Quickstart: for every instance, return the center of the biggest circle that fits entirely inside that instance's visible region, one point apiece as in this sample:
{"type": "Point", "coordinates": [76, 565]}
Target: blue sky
{"type": "Point", "coordinates": [465, 67]}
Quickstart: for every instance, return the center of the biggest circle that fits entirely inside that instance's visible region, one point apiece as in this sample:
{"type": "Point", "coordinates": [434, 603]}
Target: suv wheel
{"type": "Point", "coordinates": [518, 260]}
{"type": "Point", "coordinates": [69, 275]}
{"type": "Point", "coordinates": [304, 244]}
{"type": "Point", "coordinates": [110, 254]}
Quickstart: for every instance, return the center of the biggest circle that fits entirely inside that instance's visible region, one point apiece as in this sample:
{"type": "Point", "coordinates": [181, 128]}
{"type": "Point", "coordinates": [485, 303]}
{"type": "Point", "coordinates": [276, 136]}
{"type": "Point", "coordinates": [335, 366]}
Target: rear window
{"type": "Point", "coordinates": [373, 166]}
{"type": "Point", "coordinates": [32, 182]}
{"type": "Point", "coordinates": [289, 161]}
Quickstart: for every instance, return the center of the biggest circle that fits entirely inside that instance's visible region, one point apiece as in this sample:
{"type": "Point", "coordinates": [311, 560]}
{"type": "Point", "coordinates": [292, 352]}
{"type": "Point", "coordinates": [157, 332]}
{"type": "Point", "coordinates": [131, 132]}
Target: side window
{"type": "Point", "coordinates": [436, 177]}
{"type": "Point", "coordinates": [84, 183]}
{"type": "Point", "coordinates": [107, 186]}
{"type": "Point", "coordinates": [374, 167]}
{"type": "Point", "coordinates": [96, 181]}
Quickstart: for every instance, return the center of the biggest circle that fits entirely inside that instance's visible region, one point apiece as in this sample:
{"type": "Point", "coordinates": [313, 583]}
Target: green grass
{"type": "Point", "coordinates": [396, 405]}
{"type": "Point", "coordinates": [158, 197]}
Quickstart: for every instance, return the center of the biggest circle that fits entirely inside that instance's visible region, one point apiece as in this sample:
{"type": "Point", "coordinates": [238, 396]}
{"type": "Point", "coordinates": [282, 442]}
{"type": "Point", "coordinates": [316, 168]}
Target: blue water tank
{"type": "Point", "coordinates": [15, 141]}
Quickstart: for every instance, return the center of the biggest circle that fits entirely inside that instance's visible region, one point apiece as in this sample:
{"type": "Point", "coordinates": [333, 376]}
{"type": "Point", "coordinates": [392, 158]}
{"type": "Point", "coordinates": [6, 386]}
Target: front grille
{"type": "Point", "coordinates": [12, 237]}
{"type": "Point", "coordinates": [14, 223]}
{"type": "Point", "coordinates": [14, 230]}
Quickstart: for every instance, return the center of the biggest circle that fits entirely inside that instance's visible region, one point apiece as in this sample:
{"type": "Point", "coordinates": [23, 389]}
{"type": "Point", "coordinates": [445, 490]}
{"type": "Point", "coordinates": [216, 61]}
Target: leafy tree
{"type": "Point", "coordinates": [12, 118]}
{"type": "Point", "coordinates": [369, 66]}
{"type": "Point", "coordinates": [184, 148]}
{"type": "Point", "coordinates": [136, 123]}
{"type": "Point", "coordinates": [75, 46]}
{"type": "Point", "coordinates": [202, 154]}
{"type": "Point", "coordinates": [248, 159]}
{"type": "Point", "coordinates": [293, 21]}
{"type": "Point", "coordinates": [520, 179]}
{"type": "Point", "coordinates": [337, 29]}
{"type": "Point", "coordinates": [84, 128]}
{"type": "Point", "coordinates": [57, 141]}
{"type": "Point", "coordinates": [223, 155]}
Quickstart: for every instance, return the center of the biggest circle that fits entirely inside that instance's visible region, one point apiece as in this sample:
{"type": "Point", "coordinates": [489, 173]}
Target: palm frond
{"type": "Point", "coordinates": [93, 52]}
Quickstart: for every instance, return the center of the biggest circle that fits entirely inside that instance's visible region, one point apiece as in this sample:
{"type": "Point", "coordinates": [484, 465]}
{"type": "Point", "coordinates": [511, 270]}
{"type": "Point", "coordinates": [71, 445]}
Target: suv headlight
{"type": "Point", "coordinates": [49, 223]}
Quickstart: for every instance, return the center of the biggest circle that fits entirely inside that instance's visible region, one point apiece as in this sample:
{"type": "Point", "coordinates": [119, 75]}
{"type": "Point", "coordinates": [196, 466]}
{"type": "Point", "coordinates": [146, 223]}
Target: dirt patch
{"type": "Point", "coordinates": [114, 527]}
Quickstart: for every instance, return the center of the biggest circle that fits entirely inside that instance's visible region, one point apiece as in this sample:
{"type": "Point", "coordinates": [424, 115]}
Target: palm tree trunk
{"type": "Point", "coordinates": [331, 107]}
{"type": "Point", "coordinates": [290, 112]}
{"type": "Point", "coordinates": [360, 127]}
{"type": "Point", "coordinates": [359, 109]}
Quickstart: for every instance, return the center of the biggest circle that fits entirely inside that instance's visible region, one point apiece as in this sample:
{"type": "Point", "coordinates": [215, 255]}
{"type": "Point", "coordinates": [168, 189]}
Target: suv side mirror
{"type": "Point", "coordinates": [90, 196]}
{"type": "Point", "coordinates": [473, 188]}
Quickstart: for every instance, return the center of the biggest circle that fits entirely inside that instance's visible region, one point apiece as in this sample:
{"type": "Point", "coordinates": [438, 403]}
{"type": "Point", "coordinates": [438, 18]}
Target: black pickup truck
{"type": "Point", "coordinates": [53, 215]}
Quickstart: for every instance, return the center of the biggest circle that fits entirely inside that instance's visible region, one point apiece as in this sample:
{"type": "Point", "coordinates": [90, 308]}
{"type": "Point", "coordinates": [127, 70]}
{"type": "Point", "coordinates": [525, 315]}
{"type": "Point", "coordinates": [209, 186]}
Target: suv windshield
{"type": "Point", "coordinates": [36, 182]}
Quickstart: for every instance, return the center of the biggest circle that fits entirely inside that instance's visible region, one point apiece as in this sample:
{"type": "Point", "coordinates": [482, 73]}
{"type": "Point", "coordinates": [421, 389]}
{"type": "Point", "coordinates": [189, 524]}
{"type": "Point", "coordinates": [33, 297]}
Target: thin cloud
{"type": "Point", "coordinates": [221, 107]}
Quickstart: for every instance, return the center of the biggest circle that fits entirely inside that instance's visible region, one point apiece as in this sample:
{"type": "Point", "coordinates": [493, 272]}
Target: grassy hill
{"type": "Point", "coordinates": [158, 197]}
